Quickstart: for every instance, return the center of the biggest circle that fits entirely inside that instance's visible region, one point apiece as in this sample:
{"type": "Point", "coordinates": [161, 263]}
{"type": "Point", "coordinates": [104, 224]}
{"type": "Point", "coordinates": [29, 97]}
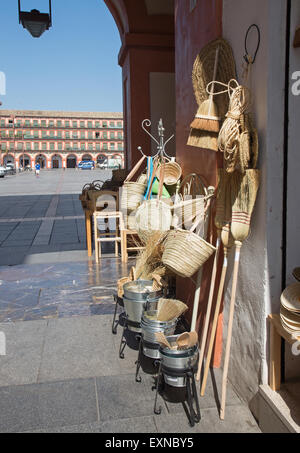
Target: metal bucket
{"type": "Point", "coordinates": [176, 362]}
{"type": "Point", "coordinates": [149, 327]}
{"type": "Point", "coordinates": [139, 297]}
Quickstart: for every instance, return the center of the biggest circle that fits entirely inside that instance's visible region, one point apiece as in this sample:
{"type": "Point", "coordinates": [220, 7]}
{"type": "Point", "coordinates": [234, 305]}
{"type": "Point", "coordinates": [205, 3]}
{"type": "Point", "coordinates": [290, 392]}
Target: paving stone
{"type": "Point", "coordinates": [120, 397]}
{"type": "Point", "coordinates": [78, 347]}
{"type": "Point", "coordinates": [24, 345]}
{"type": "Point", "coordinates": [45, 405]}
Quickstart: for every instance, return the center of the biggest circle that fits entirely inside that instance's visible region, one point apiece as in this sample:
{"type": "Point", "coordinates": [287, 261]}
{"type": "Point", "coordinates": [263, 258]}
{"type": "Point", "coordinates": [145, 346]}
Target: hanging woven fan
{"type": "Point", "coordinates": [202, 74]}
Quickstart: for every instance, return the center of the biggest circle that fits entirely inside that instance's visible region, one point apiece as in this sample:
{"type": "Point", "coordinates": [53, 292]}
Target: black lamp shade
{"type": "Point", "coordinates": [35, 22]}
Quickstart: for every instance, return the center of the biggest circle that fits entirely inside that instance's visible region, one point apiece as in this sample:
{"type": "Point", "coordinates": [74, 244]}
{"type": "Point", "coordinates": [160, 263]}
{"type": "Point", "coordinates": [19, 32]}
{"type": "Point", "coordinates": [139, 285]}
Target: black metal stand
{"type": "Point", "coordinates": [124, 342]}
{"type": "Point", "coordinates": [193, 414]}
{"type": "Point", "coordinates": [118, 302]}
{"type": "Point", "coordinates": [138, 362]}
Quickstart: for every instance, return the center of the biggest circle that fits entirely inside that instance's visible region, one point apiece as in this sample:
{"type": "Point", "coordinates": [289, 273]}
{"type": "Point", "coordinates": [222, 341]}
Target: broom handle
{"type": "Point", "coordinates": [214, 78]}
{"type": "Point", "coordinates": [238, 245]}
{"type": "Point", "coordinates": [209, 305]}
{"type": "Point", "coordinates": [215, 324]}
{"type": "Point", "coordinates": [135, 169]}
{"type": "Point", "coordinates": [198, 285]}
{"type": "Point", "coordinates": [161, 179]}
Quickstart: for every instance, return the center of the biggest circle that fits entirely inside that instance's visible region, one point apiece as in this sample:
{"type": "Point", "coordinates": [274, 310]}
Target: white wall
{"type": "Point", "coordinates": [259, 283]}
{"type": "Point", "coordinates": [293, 173]}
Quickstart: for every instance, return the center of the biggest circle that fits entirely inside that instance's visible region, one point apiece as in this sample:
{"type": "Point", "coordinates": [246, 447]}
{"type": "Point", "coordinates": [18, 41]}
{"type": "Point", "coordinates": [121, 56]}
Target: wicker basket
{"type": "Point", "coordinates": [172, 173]}
{"type": "Point", "coordinates": [185, 212]}
{"type": "Point", "coordinates": [132, 195]}
{"type": "Point", "coordinates": [185, 252]}
{"type": "Point", "coordinates": [151, 216]}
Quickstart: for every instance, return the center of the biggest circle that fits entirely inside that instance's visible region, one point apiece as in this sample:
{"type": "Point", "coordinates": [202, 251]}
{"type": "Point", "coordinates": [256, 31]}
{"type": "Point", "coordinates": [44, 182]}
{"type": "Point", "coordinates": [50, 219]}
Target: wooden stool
{"type": "Point", "coordinates": [277, 332]}
{"type": "Point", "coordinates": [124, 234]}
{"type": "Point", "coordinates": [98, 237]}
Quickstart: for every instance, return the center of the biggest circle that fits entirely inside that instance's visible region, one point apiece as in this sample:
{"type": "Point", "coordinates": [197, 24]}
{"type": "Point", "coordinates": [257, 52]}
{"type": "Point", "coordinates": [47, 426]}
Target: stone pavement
{"type": "Point", "coordinates": [62, 371]}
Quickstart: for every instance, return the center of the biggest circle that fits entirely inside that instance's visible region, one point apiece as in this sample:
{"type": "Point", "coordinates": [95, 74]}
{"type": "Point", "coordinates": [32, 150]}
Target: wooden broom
{"type": "Point", "coordinates": [206, 124]}
{"type": "Point", "coordinates": [207, 117]}
{"type": "Point", "coordinates": [244, 189]}
{"type": "Point", "coordinates": [219, 220]}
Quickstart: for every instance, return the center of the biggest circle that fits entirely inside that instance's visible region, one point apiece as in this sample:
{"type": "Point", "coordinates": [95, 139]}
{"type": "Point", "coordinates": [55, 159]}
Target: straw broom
{"type": "Point", "coordinates": [207, 117]}
{"type": "Point", "coordinates": [206, 124]}
{"type": "Point", "coordinates": [243, 195]}
{"type": "Point", "coordinates": [219, 221]}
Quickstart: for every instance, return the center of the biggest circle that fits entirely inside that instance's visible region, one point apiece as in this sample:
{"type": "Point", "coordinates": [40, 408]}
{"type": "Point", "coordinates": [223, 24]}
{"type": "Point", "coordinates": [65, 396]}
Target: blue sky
{"type": "Point", "coordinates": [73, 66]}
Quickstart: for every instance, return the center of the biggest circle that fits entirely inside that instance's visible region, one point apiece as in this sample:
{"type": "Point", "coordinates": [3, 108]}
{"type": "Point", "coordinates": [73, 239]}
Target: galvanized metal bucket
{"type": "Point", "coordinates": [149, 326]}
{"type": "Point", "coordinates": [139, 297]}
{"type": "Point", "coordinates": [176, 361]}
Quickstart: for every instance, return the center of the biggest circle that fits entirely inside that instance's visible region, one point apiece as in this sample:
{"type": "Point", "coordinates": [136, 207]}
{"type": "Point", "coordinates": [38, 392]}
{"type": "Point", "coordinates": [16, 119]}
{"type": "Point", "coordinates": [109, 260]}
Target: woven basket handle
{"type": "Point", "coordinates": [135, 169]}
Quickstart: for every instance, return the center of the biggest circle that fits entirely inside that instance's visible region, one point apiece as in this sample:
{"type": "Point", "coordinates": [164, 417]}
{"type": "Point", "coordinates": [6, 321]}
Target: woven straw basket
{"type": "Point", "coordinates": [185, 252]}
{"type": "Point", "coordinates": [132, 195]}
{"type": "Point", "coordinates": [152, 216]}
{"type": "Point", "coordinates": [186, 211]}
{"type": "Point", "coordinates": [172, 173]}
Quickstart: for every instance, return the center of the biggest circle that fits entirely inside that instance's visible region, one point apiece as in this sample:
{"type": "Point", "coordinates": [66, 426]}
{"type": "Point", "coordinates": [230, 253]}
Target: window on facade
{"type": "Point", "coordinates": [3, 134]}
{"type": "Point", "coordinates": [43, 123]}
{"type": "Point", "coordinates": [52, 146]}
{"type": "Point", "coordinates": [36, 134]}
{"type": "Point", "coordinates": [28, 146]}
{"type": "Point", "coordinates": [68, 146]}
{"type": "Point", "coordinates": [18, 123]}
{"type": "Point", "coordinates": [90, 135]}
{"type": "Point", "coordinates": [104, 124]}
{"type": "Point", "coordinates": [2, 123]}
{"type": "Point", "coordinates": [75, 145]}
{"type": "Point", "coordinates": [82, 124]}
{"type": "Point", "coordinates": [44, 134]}
{"type": "Point", "coordinates": [120, 146]}
{"type": "Point", "coordinates": [120, 135]}
{"type": "Point", "coordinates": [82, 146]}
{"type": "Point", "coordinates": [90, 146]}
{"type": "Point", "coordinates": [112, 135]}
{"type": "Point", "coordinates": [59, 134]}
{"type": "Point", "coordinates": [67, 123]}
{"type": "Point", "coordinates": [58, 123]}
{"type": "Point", "coordinates": [97, 124]}
{"type": "Point", "coordinates": [97, 134]}
{"type": "Point", "coordinates": [11, 146]}
{"type": "Point", "coordinates": [51, 134]}
{"type": "Point", "coordinates": [11, 134]}
{"type": "Point", "coordinates": [98, 146]}
{"type": "Point", "coordinates": [105, 134]}
{"type": "Point", "coordinates": [104, 145]}
{"type": "Point", "coordinates": [51, 123]}
{"type": "Point", "coordinates": [35, 123]}
{"type": "Point", "coordinates": [59, 146]}
{"type": "Point", "coordinates": [67, 134]}
{"type": "Point", "coordinates": [44, 146]}
{"type": "Point", "coordinates": [27, 123]}
{"type": "Point", "coordinates": [111, 124]}
{"type": "Point", "coordinates": [112, 146]}
{"type": "Point", "coordinates": [3, 146]}
{"type": "Point", "coordinates": [82, 134]}
{"type": "Point", "coordinates": [20, 146]}
{"type": "Point", "coordinates": [74, 135]}
{"type": "Point", "coordinates": [90, 124]}
{"type": "Point", "coordinates": [36, 146]}
{"type": "Point", "coordinates": [119, 124]}
{"type": "Point", "coordinates": [74, 124]}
